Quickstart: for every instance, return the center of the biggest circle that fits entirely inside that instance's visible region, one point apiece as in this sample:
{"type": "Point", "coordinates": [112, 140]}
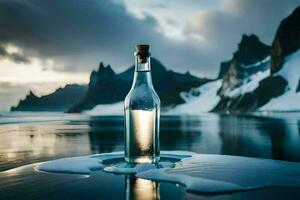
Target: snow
{"type": "Point", "coordinates": [249, 86]}
{"type": "Point", "coordinates": [206, 173]}
{"type": "Point", "coordinates": [204, 102]}
{"type": "Point", "coordinates": [289, 101]}
{"type": "Point", "coordinates": [264, 61]}
{"type": "Point", "coordinates": [107, 109]}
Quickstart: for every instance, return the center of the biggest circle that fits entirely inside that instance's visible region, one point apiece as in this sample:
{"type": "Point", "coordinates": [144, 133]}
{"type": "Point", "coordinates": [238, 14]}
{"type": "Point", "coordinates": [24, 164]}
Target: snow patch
{"type": "Point", "coordinates": [264, 61]}
{"type": "Point", "coordinates": [206, 173]}
{"type": "Point", "coordinates": [201, 99]}
{"type": "Point", "coordinates": [289, 101]}
{"type": "Point", "coordinates": [249, 86]}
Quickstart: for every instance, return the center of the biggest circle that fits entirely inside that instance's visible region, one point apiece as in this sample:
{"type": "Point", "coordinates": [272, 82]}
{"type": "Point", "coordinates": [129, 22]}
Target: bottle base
{"type": "Point", "coordinates": [142, 159]}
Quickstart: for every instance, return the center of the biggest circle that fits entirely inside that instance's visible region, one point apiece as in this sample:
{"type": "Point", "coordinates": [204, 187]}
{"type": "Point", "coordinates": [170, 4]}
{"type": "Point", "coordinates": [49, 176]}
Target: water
{"type": "Point", "coordinates": [29, 138]}
{"type": "Point", "coordinates": [142, 144]}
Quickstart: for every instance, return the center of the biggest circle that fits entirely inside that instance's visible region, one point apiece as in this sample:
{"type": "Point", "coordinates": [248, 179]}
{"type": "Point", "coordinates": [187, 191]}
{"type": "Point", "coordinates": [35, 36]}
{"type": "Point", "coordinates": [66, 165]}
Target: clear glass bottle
{"type": "Point", "coordinates": [142, 113]}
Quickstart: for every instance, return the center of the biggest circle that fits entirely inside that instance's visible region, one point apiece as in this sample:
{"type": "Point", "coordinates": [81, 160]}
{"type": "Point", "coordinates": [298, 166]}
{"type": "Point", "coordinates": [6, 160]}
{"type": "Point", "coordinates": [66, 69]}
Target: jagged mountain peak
{"type": "Point", "coordinates": [101, 66]}
{"type": "Point", "coordinates": [249, 38]}
{"type": "Point", "coordinates": [251, 50]}
{"type": "Point", "coordinates": [105, 69]}
{"type": "Point", "coordinates": [31, 95]}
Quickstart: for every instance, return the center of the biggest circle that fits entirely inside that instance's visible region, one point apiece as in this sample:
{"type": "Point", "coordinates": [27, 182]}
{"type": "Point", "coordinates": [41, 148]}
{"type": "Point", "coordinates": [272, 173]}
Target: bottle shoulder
{"type": "Point", "coordinates": [142, 98]}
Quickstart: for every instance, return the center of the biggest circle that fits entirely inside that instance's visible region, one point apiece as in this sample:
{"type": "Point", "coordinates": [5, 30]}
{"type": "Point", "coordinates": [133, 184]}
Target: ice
{"type": "Point", "coordinates": [206, 173]}
{"type": "Point", "coordinates": [78, 165]}
{"type": "Point", "coordinates": [220, 173]}
{"type": "Point", "coordinates": [88, 164]}
{"type": "Point", "coordinates": [289, 101]}
{"type": "Point", "coordinates": [75, 165]}
{"type": "Point", "coordinates": [206, 101]}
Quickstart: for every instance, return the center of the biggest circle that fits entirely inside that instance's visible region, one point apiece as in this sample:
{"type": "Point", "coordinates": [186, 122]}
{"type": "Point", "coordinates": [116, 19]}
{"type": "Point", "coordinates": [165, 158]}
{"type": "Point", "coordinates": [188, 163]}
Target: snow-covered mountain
{"type": "Point", "coordinates": [256, 78]}
{"type": "Point", "coordinates": [290, 100]}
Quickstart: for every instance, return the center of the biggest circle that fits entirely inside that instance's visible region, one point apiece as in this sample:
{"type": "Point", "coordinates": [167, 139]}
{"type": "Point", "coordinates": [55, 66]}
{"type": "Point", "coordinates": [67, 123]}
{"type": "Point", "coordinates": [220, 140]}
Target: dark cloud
{"type": "Point", "coordinates": [78, 34]}
{"type": "Point", "coordinates": [223, 29]}
{"type": "Point", "coordinates": [15, 57]}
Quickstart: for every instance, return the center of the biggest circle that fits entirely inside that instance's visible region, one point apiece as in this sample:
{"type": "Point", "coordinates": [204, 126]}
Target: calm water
{"type": "Point", "coordinates": [30, 138]}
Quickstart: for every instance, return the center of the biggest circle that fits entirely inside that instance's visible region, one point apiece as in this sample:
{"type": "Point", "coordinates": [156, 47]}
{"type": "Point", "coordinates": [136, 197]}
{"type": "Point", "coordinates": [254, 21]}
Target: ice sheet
{"type": "Point", "coordinates": [206, 173]}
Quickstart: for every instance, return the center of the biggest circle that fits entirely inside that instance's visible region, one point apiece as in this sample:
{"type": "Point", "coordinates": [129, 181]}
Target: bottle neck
{"type": "Point", "coordinates": [142, 65]}
{"type": "Point", "coordinates": [142, 73]}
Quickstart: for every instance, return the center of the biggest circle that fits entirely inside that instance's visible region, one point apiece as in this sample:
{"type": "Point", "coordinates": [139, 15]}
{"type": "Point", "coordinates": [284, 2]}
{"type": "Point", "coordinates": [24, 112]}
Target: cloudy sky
{"type": "Point", "coordinates": [46, 44]}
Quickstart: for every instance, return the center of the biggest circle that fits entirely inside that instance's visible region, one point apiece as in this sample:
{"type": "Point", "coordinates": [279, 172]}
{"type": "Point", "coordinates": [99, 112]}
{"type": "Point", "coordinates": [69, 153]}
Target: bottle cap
{"type": "Point", "coordinates": [142, 52]}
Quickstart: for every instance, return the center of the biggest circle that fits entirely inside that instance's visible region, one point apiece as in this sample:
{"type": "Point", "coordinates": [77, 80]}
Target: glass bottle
{"type": "Point", "coordinates": [142, 113]}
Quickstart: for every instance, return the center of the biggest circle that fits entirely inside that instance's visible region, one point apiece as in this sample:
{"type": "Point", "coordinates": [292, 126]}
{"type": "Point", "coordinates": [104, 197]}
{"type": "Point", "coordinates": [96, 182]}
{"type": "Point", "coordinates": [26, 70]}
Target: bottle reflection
{"type": "Point", "coordinates": [141, 189]}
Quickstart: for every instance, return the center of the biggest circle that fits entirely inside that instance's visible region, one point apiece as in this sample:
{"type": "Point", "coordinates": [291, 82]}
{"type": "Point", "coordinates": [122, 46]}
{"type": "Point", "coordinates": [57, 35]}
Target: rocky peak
{"type": "Point", "coordinates": [287, 40]}
{"type": "Point", "coordinates": [237, 70]}
{"type": "Point", "coordinates": [105, 70]}
{"type": "Point", "coordinates": [31, 95]}
{"type": "Point", "coordinates": [251, 50]}
{"type": "Point", "coordinates": [103, 74]}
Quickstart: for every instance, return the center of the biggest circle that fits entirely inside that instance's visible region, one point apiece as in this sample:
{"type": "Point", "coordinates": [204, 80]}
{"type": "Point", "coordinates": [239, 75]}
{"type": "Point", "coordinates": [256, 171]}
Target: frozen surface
{"type": "Point", "coordinates": [206, 173]}
{"type": "Point", "coordinates": [76, 165]}
{"type": "Point", "coordinates": [87, 164]}
{"type": "Point", "coordinates": [289, 101]}
{"type": "Point", "coordinates": [220, 173]}
{"type": "Point", "coordinates": [201, 99]}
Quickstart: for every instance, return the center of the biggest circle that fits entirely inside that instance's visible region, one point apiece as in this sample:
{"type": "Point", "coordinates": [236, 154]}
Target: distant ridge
{"type": "Point", "coordinates": [60, 100]}
{"type": "Point", "coordinates": [106, 87]}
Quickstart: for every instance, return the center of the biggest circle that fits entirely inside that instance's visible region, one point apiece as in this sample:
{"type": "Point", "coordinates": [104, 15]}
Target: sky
{"type": "Point", "coordinates": [47, 44]}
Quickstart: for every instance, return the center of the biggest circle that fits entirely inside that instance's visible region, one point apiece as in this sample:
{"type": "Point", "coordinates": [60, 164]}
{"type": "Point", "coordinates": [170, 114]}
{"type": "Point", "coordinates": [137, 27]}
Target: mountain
{"type": "Point", "coordinates": [257, 76]}
{"type": "Point", "coordinates": [107, 87]}
{"type": "Point", "coordinates": [224, 66]}
{"type": "Point", "coordinates": [289, 100]}
{"type": "Point", "coordinates": [258, 90]}
{"type": "Point", "coordinates": [60, 100]}
{"type": "Point", "coordinates": [245, 62]}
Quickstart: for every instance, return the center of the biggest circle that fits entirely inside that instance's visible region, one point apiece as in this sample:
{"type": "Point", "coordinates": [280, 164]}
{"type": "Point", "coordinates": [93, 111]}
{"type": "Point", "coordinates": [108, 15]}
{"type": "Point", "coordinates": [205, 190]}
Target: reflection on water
{"type": "Point", "coordinates": [137, 189]}
{"type": "Point", "coordinates": [274, 136]}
